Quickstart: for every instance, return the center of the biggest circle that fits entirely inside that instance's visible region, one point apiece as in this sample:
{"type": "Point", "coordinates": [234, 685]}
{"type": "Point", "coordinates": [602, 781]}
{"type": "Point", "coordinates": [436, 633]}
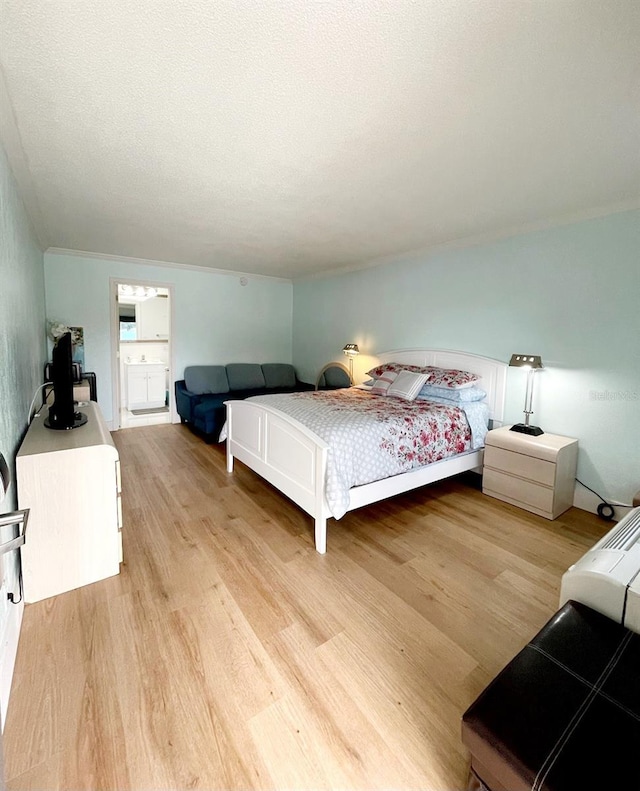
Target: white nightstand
{"type": "Point", "coordinates": [535, 473]}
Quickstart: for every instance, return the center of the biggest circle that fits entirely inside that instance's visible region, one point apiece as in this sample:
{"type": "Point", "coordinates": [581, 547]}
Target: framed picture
{"type": "Point", "coordinates": [77, 345]}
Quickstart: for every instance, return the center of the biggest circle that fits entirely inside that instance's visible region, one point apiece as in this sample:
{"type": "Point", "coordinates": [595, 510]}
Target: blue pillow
{"type": "Point", "coordinates": [463, 396]}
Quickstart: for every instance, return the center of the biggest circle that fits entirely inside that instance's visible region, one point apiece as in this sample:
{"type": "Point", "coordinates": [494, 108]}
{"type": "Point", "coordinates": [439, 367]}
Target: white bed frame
{"type": "Point", "coordinates": [294, 459]}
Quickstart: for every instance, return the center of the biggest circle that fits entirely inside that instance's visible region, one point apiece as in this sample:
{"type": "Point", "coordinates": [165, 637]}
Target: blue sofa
{"type": "Point", "coordinates": [200, 396]}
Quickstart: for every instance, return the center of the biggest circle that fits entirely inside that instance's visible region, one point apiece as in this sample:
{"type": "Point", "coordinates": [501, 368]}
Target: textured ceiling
{"type": "Point", "coordinates": [287, 137]}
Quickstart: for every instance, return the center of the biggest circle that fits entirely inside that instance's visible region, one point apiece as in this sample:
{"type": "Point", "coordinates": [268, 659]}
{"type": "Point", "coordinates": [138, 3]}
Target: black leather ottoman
{"type": "Point", "coordinates": [564, 715]}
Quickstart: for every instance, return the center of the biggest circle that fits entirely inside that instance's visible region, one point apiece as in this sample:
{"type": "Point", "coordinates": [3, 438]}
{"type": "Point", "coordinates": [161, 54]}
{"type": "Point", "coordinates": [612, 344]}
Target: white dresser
{"type": "Point", "coordinates": [535, 473]}
{"type": "Point", "coordinates": [70, 481]}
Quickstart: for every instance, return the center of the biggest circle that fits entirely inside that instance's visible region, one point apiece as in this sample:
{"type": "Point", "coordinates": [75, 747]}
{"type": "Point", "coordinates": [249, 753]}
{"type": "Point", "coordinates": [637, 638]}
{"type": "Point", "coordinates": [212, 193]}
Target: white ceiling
{"type": "Point", "coordinates": [287, 137]}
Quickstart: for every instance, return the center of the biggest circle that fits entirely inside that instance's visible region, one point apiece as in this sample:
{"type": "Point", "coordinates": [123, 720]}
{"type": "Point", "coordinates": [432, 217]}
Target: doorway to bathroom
{"type": "Point", "coordinates": [141, 342]}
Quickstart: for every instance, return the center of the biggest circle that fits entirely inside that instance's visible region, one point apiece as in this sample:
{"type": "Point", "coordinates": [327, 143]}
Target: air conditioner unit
{"type": "Point", "coordinates": [607, 577]}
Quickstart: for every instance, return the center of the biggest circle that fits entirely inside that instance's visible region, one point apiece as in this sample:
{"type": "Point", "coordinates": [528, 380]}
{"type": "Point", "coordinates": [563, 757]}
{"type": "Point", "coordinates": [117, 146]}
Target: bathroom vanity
{"type": "Point", "coordinates": [145, 384]}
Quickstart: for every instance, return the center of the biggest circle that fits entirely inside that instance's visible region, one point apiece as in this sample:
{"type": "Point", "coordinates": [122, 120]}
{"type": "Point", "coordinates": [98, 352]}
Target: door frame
{"type": "Point", "coordinates": [115, 343]}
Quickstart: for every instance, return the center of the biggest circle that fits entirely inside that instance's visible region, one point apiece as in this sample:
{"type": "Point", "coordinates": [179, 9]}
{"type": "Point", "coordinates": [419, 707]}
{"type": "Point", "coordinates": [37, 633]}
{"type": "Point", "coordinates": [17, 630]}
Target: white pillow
{"type": "Point", "coordinates": [407, 385]}
{"type": "Point", "coordinates": [382, 385]}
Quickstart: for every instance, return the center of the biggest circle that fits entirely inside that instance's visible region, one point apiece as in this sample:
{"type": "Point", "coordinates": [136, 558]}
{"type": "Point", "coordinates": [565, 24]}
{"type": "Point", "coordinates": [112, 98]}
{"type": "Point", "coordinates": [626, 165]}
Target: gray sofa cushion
{"type": "Point", "coordinates": [245, 376]}
{"type": "Point", "coordinates": [202, 379]}
{"type": "Point", "coordinates": [279, 375]}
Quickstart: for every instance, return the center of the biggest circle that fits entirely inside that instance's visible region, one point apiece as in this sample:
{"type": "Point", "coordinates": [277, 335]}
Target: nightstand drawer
{"type": "Point", "coordinates": [517, 490]}
{"type": "Point", "coordinates": [528, 467]}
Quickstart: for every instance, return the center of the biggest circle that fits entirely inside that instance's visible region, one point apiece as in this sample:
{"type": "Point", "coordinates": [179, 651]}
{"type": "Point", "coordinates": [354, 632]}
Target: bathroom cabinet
{"type": "Point", "coordinates": [145, 385]}
{"type": "Point", "coordinates": [152, 319]}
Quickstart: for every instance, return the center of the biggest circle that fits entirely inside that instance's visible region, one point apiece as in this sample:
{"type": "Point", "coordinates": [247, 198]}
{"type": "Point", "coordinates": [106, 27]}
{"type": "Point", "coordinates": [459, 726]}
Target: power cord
{"type": "Point", "coordinates": [33, 400]}
{"type": "Point", "coordinates": [10, 596]}
{"type": "Point", "coordinates": [605, 510]}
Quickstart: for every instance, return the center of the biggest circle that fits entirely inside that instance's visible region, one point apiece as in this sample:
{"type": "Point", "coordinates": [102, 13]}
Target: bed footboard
{"type": "Point", "coordinates": [283, 452]}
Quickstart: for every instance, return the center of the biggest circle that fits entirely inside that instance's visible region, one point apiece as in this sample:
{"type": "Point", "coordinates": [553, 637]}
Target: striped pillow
{"type": "Point", "coordinates": [407, 385]}
{"type": "Point", "coordinates": [384, 382]}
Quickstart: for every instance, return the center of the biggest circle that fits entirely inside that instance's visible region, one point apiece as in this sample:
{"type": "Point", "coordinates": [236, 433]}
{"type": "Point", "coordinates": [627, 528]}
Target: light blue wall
{"type": "Point", "coordinates": [217, 320]}
{"type": "Point", "coordinates": [570, 294]}
{"type": "Point", "coordinates": [22, 356]}
{"type": "Point", "coordinates": [22, 334]}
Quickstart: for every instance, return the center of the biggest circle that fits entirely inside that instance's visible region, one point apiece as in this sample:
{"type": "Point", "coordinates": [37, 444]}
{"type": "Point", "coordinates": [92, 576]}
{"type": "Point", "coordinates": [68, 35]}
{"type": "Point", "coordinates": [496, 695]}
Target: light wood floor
{"type": "Point", "coordinates": [229, 654]}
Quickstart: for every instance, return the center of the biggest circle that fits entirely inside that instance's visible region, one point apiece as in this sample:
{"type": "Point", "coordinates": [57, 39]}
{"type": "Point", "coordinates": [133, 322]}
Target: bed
{"type": "Point", "coordinates": [294, 459]}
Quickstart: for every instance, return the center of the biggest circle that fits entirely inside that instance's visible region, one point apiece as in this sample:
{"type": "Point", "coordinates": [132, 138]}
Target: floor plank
{"type": "Point", "coordinates": [229, 654]}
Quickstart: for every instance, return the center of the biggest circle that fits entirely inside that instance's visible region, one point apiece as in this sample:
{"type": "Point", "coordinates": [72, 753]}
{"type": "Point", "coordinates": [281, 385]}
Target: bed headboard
{"type": "Point", "coordinates": [493, 373]}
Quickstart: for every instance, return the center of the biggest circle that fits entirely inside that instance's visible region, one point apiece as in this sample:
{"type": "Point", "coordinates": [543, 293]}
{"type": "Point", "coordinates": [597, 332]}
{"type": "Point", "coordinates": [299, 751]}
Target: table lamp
{"type": "Point", "coordinates": [531, 362]}
{"type": "Point", "coordinates": [351, 350]}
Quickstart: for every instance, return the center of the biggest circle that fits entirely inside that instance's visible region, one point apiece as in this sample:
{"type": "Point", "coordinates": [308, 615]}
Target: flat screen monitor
{"type": "Point", "coordinates": [62, 413]}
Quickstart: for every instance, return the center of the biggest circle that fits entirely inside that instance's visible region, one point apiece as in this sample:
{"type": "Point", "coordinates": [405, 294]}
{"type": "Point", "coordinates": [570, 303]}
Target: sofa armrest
{"type": "Point", "coordinates": [186, 401]}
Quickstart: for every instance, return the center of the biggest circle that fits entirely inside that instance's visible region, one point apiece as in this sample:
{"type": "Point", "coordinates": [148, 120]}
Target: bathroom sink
{"type": "Point", "coordinates": [143, 362]}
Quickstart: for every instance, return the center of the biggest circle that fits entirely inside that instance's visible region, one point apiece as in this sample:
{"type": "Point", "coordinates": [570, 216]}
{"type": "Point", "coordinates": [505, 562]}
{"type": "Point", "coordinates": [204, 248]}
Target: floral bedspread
{"type": "Point", "coordinates": [372, 437]}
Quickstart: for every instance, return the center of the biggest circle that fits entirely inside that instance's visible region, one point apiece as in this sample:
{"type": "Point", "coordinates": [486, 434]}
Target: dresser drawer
{"type": "Point", "coordinates": [516, 489]}
{"type": "Point", "coordinates": [528, 467]}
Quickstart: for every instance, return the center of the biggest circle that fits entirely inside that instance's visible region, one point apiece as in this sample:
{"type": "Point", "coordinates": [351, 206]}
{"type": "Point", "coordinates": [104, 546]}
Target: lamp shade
{"type": "Point", "coordinates": [526, 360]}
{"type": "Point", "coordinates": [351, 349]}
